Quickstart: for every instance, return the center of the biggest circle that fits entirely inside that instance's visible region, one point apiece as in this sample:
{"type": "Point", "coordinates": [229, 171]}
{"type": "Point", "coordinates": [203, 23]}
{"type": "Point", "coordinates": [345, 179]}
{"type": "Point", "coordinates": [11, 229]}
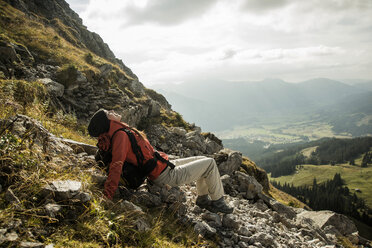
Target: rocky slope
{"type": "Point", "coordinates": [257, 221]}
{"type": "Point", "coordinates": [49, 183]}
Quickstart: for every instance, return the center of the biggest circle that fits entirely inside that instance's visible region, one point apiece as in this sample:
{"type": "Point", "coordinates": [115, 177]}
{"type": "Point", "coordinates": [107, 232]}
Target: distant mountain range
{"type": "Point", "coordinates": [219, 105]}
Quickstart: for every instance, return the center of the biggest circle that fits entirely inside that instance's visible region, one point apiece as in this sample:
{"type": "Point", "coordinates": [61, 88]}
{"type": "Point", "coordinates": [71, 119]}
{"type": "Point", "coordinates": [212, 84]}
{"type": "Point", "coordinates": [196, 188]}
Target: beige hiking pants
{"type": "Point", "coordinates": [201, 169]}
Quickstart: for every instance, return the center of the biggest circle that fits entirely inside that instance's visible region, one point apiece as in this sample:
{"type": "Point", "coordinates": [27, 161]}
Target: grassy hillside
{"type": "Point", "coordinates": [355, 177]}
{"type": "Point", "coordinates": [26, 168]}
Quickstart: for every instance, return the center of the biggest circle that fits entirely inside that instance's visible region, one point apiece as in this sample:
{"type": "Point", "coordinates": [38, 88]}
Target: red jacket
{"type": "Point", "coordinates": [122, 151]}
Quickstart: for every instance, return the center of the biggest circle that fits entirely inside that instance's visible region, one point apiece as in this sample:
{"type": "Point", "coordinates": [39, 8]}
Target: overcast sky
{"type": "Point", "coordinates": [173, 41]}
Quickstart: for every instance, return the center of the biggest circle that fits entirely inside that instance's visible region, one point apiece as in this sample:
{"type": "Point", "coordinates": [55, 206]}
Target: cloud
{"type": "Point", "coordinates": [78, 5]}
{"type": "Point", "coordinates": [167, 12]}
{"type": "Point", "coordinates": [264, 5]}
{"type": "Point", "coordinates": [228, 54]}
{"type": "Point", "coordinates": [236, 40]}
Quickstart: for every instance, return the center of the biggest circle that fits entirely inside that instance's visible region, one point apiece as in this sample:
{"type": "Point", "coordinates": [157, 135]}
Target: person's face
{"type": "Point", "coordinates": [112, 115]}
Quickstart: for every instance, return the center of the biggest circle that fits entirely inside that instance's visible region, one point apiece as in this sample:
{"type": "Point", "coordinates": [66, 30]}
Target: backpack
{"type": "Point", "coordinates": [132, 175]}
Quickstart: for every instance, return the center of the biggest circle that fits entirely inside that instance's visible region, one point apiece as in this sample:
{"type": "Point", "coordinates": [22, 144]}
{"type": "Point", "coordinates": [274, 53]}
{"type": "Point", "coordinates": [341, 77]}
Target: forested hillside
{"type": "Point", "coordinates": [282, 160]}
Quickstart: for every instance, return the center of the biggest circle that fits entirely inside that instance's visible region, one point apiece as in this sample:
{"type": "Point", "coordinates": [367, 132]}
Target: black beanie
{"type": "Point", "coordinates": [99, 124]}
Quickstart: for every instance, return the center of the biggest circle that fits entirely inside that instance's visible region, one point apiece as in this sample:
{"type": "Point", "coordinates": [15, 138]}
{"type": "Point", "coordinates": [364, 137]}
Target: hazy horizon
{"type": "Point", "coordinates": [165, 41]}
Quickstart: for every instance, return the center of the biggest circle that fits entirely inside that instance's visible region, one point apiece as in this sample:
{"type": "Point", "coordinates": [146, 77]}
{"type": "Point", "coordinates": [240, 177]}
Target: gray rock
{"type": "Point", "coordinates": [231, 163]}
{"type": "Point", "coordinates": [154, 109]}
{"type": "Point", "coordinates": [25, 244]}
{"type": "Point", "coordinates": [331, 230]}
{"type": "Point", "coordinates": [14, 224]}
{"type": "Point", "coordinates": [264, 239]}
{"type": "Point", "coordinates": [98, 178]}
{"type": "Point", "coordinates": [79, 147]}
{"type": "Point", "coordinates": [11, 197]}
{"type": "Point", "coordinates": [194, 140]}
{"type": "Point", "coordinates": [175, 195]}
{"type": "Point", "coordinates": [129, 206]}
{"type": "Point", "coordinates": [204, 229]}
{"type": "Point", "coordinates": [52, 209]}
{"type": "Point", "coordinates": [260, 204]}
{"type": "Point", "coordinates": [243, 244]}
{"type": "Point", "coordinates": [229, 221]}
{"type": "Point", "coordinates": [248, 184]}
{"type": "Point", "coordinates": [212, 146]}
{"type": "Point", "coordinates": [41, 136]}
{"type": "Point", "coordinates": [142, 225]}
{"type": "Point", "coordinates": [178, 208]}
{"type": "Point", "coordinates": [282, 209]}
{"type": "Point", "coordinates": [105, 69]}
{"type": "Point", "coordinates": [244, 231]}
{"type": "Point", "coordinates": [53, 87]}
{"type": "Point", "coordinates": [251, 228]}
{"type": "Point", "coordinates": [80, 78]}
{"type": "Point", "coordinates": [147, 199]}
{"type": "Point", "coordinates": [322, 219]}
{"type": "Point", "coordinates": [178, 131]}
{"type": "Point", "coordinates": [212, 218]}
{"type": "Point", "coordinates": [62, 190]}
{"type": "Point", "coordinates": [83, 197]}
{"type": "Point", "coordinates": [8, 54]}
{"type": "Point", "coordinates": [11, 237]}
{"type": "Point", "coordinates": [136, 87]}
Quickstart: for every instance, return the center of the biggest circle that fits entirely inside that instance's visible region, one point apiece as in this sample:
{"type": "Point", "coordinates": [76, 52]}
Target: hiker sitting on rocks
{"type": "Point", "coordinates": [129, 149]}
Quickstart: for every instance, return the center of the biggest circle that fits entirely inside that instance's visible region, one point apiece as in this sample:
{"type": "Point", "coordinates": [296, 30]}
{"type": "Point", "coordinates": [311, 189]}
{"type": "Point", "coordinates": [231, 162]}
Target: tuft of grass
{"type": "Point", "coordinates": [31, 98]}
{"type": "Point", "coordinates": [167, 119]}
{"type": "Point", "coordinates": [345, 242]}
{"type": "Point", "coordinates": [249, 167]}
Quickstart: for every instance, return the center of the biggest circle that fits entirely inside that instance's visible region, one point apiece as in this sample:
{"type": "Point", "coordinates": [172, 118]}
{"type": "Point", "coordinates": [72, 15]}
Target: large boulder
{"type": "Point", "coordinates": [228, 161]}
{"type": "Point", "coordinates": [213, 144]}
{"type": "Point", "coordinates": [247, 185]}
{"type": "Point", "coordinates": [195, 141]}
{"type": "Point", "coordinates": [323, 219]}
{"type": "Point", "coordinates": [282, 209]}
{"type": "Point", "coordinates": [65, 190]}
{"type": "Point", "coordinates": [8, 54]}
{"type": "Point", "coordinates": [23, 126]}
{"type": "Point", "coordinates": [53, 87]}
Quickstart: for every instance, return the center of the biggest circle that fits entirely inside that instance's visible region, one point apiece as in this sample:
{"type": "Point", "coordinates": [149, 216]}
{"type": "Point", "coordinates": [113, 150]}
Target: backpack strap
{"type": "Point", "coordinates": [159, 157]}
{"type": "Point", "coordinates": [135, 147]}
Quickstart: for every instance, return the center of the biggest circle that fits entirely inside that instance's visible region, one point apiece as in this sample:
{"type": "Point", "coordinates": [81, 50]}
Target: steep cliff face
{"type": "Point", "coordinates": [78, 34]}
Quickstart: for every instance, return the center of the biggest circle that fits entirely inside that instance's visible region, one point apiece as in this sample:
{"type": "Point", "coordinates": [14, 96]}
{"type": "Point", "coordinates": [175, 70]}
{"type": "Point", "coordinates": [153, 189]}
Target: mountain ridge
{"type": "Point", "coordinates": [246, 102]}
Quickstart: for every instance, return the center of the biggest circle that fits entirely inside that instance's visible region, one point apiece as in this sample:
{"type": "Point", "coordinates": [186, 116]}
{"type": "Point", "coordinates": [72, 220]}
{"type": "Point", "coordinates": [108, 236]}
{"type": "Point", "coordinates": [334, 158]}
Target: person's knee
{"type": "Point", "coordinates": [211, 163]}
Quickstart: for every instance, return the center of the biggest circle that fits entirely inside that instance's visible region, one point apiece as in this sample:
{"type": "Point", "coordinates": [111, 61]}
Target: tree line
{"type": "Point", "coordinates": [330, 195]}
{"type": "Point", "coordinates": [329, 151]}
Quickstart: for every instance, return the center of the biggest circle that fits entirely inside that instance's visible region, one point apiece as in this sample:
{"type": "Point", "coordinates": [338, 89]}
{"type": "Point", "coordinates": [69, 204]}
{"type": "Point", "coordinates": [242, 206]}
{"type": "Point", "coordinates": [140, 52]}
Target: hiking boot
{"type": "Point", "coordinates": [220, 206]}
{"type": "Point", "coordinates": [203, 201]}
